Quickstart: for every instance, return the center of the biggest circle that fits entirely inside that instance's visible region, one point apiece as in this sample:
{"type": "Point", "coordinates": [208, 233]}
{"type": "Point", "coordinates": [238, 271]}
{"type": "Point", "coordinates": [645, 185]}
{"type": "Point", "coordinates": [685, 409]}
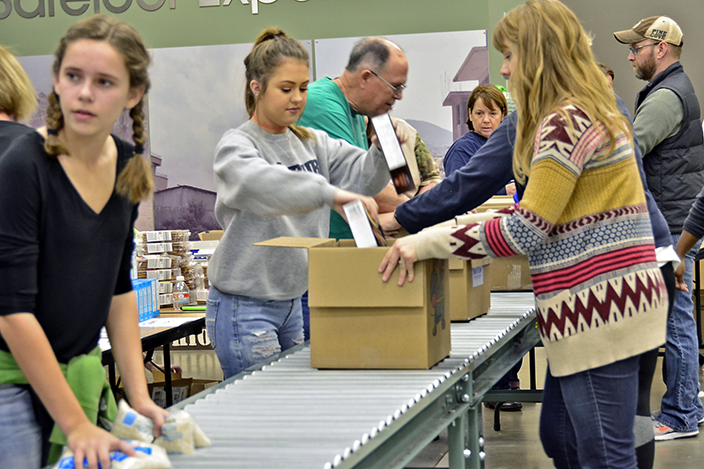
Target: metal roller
{"type": "Point", "coordinates": [289, 415]}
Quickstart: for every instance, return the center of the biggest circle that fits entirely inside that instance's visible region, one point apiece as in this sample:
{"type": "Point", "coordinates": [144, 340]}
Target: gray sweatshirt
{"type": "Point", "coordinates": [271, 185]}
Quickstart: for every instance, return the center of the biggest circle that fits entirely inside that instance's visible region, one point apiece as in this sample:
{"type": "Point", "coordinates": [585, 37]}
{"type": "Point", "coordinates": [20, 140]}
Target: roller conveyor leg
{"type": "Point", "coordinates": [457, 441]}
{"type": "Point", "coordinates": [466, 441]}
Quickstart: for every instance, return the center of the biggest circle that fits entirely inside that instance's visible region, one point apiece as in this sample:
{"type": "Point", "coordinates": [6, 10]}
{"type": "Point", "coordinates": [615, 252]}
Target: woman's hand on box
{"type": "Point", "coordinates": [403, 255]}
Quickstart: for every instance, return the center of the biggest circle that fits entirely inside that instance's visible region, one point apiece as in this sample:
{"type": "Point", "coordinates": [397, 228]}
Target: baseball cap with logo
{"type": "Point", "coordinates": [658, 28]}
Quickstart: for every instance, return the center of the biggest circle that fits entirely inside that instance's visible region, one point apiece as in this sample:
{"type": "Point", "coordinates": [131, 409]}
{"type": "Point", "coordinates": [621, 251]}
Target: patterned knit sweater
{"type": "Point", "coordinates": [584, 225]}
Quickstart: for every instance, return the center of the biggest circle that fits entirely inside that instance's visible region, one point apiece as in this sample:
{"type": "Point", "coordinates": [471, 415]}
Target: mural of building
{"type": "Point", "coordinates": [161, 180]}
{"type": "Point", "coordinates": [185, 208]}
{"type": "Point", "coordinates": [475, 67]}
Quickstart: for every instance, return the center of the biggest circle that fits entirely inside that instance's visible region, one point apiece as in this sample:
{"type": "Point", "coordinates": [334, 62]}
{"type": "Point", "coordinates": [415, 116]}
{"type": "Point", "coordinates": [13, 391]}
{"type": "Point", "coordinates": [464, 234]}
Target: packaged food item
{"type": "Point", "coordinates": [148, 457]}
{"type": "Point", "coordinates": [131, 425]}
{"type": "Point", "coordinates": [181, 434]}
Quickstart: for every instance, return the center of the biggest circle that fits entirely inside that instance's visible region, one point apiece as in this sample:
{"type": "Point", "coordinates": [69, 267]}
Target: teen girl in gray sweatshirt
{"type": "Point", "coordinates": [275, 179]}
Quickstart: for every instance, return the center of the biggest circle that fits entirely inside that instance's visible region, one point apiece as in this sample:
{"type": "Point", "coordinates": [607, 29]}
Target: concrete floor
{"type": "Point", "coordinates": [517, 445]}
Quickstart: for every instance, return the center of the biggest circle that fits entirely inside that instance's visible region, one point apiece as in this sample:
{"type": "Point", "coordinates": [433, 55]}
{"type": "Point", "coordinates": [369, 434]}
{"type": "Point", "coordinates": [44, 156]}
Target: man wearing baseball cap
{"type": "Point", "coordinates": [669, 130]}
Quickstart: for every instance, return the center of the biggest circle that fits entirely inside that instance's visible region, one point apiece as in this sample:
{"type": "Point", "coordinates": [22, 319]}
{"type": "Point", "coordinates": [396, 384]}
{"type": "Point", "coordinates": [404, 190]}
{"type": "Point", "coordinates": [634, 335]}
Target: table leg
{"type": "Point", "coordinates": [167, 376]}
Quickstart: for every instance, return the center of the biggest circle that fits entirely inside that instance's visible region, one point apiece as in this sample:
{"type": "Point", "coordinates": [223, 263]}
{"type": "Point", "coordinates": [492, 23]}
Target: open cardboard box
{"type": "Point", "coordinates": [358, 321]}
{"type": "Point", "coordinates": [180, 388]}
{"type": "Point", "coordinates": [470, 288]}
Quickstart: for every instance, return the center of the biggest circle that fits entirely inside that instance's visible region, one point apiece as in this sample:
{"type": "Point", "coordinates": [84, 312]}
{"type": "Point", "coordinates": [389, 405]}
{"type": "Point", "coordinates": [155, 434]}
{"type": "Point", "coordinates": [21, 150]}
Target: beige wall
{"type": "Point", "coordinates": [603, 17]}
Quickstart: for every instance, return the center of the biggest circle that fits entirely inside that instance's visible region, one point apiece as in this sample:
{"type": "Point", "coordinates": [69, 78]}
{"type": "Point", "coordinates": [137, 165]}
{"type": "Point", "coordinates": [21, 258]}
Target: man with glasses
{"type": "Point", "coordinates": [373, 80]}
{"type": "Point", "coordinates": [668, 127]}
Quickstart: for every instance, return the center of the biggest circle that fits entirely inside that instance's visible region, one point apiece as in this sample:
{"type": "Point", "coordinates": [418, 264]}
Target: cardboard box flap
{"type": "Point", "coordinates": [342, 277]}
{"type": "Point", "coordinates": [458, 264]}
{"type": "Point", "coordinates": [480, 262]}
{"type": "Point", "coordinates": [291, 242]}
{"type": "Point", "coordinates": [497, 202]}
{"type": "Point", "coordinates": [455, 263]}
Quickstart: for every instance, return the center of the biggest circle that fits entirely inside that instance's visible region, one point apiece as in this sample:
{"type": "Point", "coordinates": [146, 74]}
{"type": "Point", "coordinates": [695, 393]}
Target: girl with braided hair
{"type": "Point", "coordinates": [68, 203]}
{"type": "Point", "coordinates": [275, 178]}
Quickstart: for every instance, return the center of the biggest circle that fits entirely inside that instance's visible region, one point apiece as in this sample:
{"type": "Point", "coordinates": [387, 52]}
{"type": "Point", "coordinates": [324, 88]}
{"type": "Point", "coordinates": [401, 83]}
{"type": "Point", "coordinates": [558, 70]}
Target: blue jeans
{"type": "Point", "coordinates": [20, 434]}
{"type": "Point", "coordinates": [245, 331]}
{"type": "Point", "coordinates": [587, 418]}
{"type": "Point", "coordinates": [681, 407]}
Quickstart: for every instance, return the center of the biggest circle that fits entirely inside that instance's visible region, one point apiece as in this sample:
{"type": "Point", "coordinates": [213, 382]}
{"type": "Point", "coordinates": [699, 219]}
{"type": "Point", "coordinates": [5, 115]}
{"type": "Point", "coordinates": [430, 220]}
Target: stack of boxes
{"type": "Point", "coordinates": [164, 255]}
{"type": "Point", "coordinates": [507, 273]}
{"type": "Point", "coordinates": [147, 298]}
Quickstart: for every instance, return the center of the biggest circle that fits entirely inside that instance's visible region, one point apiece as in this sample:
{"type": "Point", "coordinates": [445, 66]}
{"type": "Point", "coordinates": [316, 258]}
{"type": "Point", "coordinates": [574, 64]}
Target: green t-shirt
{"type": "Point", "coordinates": [327, 109]}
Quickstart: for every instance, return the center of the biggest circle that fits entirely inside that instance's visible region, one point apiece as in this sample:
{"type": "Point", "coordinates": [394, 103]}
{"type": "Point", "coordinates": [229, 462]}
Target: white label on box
{"type": "Point", "coordinates": [159, 247]}
{"type": "Point", "coordinates": [164, 274]}
{"type": "Point", "coordinates": [478, 276]}
{"type": "Point", "coordinates": [158, 262]}
{"type": "Point", "coordinates": [153, 236]}
{"type": "Point", "coordinates": [165, 287]}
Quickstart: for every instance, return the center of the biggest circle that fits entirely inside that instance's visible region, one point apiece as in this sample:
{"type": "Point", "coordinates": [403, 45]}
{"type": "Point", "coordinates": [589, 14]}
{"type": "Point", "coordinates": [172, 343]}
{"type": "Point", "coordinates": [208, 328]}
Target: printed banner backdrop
{"type": "Point", "coordinates": [197, 94]}
{"type": "Point", "coordinates": [435, 80]}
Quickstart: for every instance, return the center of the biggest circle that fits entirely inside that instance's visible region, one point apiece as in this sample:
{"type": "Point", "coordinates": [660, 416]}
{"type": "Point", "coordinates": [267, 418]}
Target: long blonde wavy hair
{"type": "Point", "coordinates": [555, 67]}
{"type": "Point", "coordinates": [135, 179]}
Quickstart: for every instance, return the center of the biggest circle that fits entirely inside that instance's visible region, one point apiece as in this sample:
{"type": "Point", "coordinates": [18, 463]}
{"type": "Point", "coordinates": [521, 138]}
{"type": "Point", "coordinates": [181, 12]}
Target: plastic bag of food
{"type": "Point", "coordinates": [131, 425]}
{"type": "Point", "coordinates": [148, 457]}
{"type": "Point", "coordinates": [181, 434]}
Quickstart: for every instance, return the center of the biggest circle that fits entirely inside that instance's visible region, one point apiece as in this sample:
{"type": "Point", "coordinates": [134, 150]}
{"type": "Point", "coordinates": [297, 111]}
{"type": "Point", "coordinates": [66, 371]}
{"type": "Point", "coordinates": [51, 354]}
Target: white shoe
{"type": "Point", "coordinates": [664, 433]}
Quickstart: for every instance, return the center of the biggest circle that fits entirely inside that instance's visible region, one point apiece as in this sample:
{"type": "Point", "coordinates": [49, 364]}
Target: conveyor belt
{"type": "Point", "coordinates": [289, 415]}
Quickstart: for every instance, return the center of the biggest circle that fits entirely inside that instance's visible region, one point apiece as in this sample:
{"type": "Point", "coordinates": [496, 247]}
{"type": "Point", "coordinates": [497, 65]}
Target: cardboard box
{"type": "Point", "coordinates": [497, 202]}
{"type": "Point", "coordinates": [470, 288]}
{"type": "Point", "coordinates": [212, 235]}
{"type": "Point", "coordinates": [200, 385]}
{"type": "Point", "coordinates": [359, 322]}
{"type": "Point", "coordinates": [180, 388]}
{"type": "Point", "coordinates": [511, 274]}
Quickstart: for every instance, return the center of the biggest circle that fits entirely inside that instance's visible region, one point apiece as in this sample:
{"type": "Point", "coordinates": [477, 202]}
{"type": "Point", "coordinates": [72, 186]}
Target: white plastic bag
{"type": "Point", "coordinates": [148, 457]}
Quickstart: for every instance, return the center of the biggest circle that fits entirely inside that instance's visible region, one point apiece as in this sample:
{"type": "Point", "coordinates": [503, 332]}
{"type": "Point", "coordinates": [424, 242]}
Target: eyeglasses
{"type": "Point", "coordinates": [635, 50]}
{"type": "Point", "coordinates": [396, 89]}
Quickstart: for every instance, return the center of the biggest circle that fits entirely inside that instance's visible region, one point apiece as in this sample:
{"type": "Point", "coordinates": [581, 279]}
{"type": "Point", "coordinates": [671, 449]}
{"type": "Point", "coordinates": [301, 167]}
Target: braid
{"type": "Point", "coordinates": [135, 179]}
{"type": "Point", "coordinates": [54, 122]}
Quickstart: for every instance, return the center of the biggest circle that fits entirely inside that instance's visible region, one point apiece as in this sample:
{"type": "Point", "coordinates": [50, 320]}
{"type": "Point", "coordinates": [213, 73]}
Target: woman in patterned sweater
{"type": "Point", "coordinates": [583, 223]}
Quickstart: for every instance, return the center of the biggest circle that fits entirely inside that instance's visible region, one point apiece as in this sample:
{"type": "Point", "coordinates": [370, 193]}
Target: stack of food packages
{"type": "Point", "coordinates": [164, 255]}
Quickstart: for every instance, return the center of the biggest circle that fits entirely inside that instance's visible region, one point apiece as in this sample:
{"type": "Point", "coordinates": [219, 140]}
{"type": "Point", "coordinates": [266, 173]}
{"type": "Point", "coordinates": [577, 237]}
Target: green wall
{"type": "Point", "coordinates": [188, 24]}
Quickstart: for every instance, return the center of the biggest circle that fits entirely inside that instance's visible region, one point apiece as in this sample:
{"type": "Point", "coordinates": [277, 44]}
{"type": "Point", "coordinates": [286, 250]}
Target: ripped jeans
{"type": "Point", "coordinates": [245, 331]}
